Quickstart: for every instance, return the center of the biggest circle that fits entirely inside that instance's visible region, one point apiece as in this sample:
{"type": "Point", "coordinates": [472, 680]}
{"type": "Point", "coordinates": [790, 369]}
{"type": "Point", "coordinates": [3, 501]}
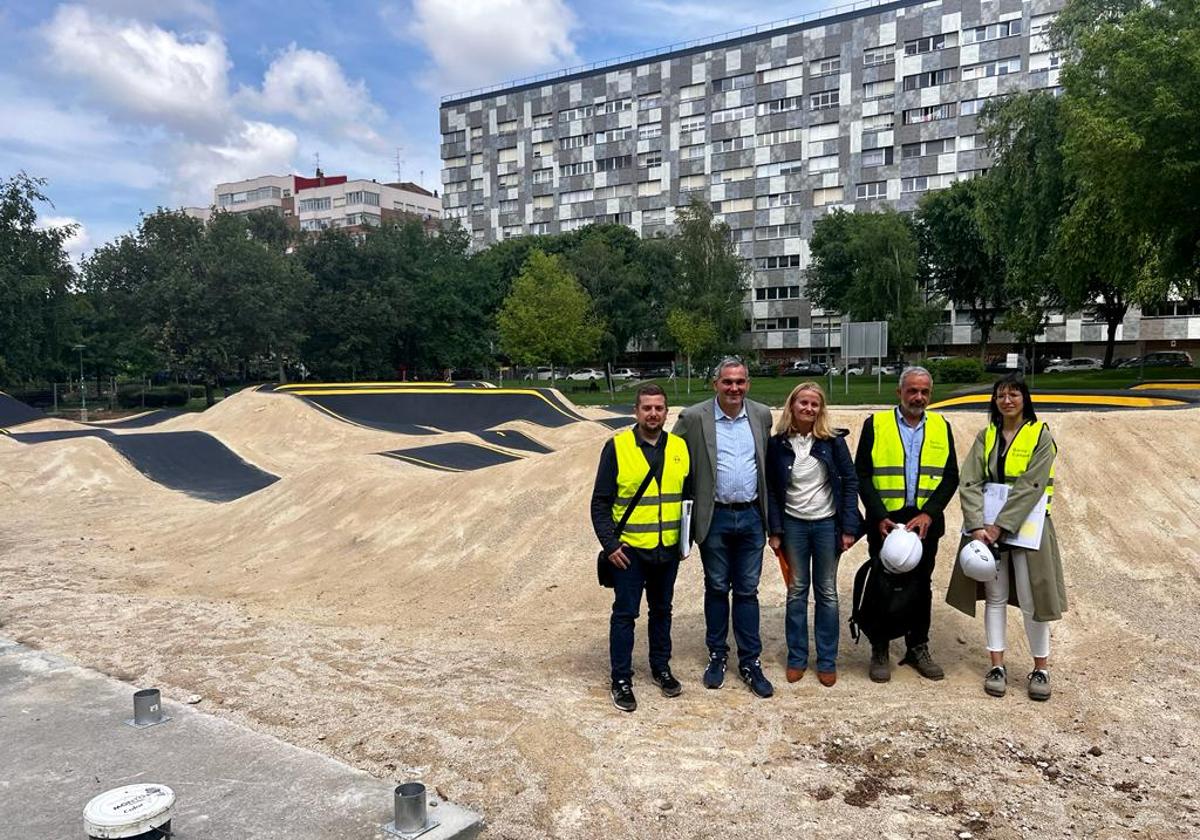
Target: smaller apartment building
{"type": "Point", "coordinates": [328, 201]}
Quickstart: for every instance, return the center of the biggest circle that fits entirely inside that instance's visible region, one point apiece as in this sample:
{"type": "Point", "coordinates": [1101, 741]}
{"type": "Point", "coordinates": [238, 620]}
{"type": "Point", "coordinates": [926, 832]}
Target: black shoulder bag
{"type": "Point", "coordinates": [604, 567]}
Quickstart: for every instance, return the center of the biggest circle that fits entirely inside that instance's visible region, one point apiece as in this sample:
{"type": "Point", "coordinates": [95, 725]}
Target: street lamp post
{"type": "Point", "coordinates": [82, 384]}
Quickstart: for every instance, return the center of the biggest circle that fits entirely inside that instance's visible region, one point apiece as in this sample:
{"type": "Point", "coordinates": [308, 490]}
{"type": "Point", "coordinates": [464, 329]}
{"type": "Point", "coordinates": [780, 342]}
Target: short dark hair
{"type": "Point", "coordinates": [1011, 382]}
{"type": "Point", "coordinates": [649, 389]}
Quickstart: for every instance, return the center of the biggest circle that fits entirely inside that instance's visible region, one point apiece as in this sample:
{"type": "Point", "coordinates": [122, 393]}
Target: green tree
{"type": "Point", "coordinates": [605, 262]}
{"type": "Point", "coordinates": [693, 334]}
{"type": "Point", "coordinates": [955, 258]}
{"type": "Point", "coordinates": [548, 318]}
{"type": "Point", "coordinates": [36, 310]}
{"type": "Point", "coordinates": [711, 279]}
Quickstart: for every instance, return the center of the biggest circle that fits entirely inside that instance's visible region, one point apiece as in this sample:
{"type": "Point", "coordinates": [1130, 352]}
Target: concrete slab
{"type": "Point", "coordinates": [63, 741]}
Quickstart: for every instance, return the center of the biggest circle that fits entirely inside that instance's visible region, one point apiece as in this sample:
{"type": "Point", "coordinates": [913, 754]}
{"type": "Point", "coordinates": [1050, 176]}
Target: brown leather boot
{"type": "Point", "coordinates": [795, 674]}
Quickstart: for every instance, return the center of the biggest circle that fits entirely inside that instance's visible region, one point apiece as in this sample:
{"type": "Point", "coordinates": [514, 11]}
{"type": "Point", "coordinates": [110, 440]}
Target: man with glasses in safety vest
{"type": "Point", "coordinates": [645, 556]}
{"type": "Point", "coordinates": [907, 474]}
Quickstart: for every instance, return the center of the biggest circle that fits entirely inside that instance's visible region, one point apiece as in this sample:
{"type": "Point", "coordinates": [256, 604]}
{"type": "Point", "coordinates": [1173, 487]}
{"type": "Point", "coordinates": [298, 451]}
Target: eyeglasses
{"type": "Point", "coordinates": [1009, 397]}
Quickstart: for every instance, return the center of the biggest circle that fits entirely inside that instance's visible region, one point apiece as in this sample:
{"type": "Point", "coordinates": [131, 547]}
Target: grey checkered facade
{"type": "Point", "coordinates": [864, 110]}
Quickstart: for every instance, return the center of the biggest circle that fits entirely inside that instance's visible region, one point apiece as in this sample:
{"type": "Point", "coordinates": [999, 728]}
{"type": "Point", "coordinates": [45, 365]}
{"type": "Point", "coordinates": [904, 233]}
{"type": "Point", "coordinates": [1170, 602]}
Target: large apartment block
{"type": "Point", "coordinates": [864, 109]}
{"type": "Point", "coordinates": [328, 201]}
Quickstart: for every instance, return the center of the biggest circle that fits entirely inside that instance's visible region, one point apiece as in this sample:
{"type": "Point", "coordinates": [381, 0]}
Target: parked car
{"type": "Point", "coordinates": [853, 370]}
{"type": "Point", "coordinates": [807, 368]}
{"type": "Point", "coordinates": [586, 375]}
{"type": "Point", "coordinates": [890, 369]}
{"type": "Point", "coordinates": [1167, 358]}
{"type": "Point", "coordinates": [1128, 362]}
{"type": "Point", "coordinates": [1076, 364]}
{"type": "Point", "coordinates": [660, 372]}
{"type": "Point", "coordinates": [626, 373]}
{"type": "Point", "coordinates": [543, 374]}
{"type": "Point", "coordinates": [999, 364]}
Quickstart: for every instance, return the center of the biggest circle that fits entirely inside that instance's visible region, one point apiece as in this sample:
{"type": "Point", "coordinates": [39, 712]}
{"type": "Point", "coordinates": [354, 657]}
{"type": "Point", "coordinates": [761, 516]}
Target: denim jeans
{"type": "Point", "coordinates": [732, 557]}
{"type": "Point", "coordinates": [811, 548]}
{"type": "Point", "coordinates": [657, 580]}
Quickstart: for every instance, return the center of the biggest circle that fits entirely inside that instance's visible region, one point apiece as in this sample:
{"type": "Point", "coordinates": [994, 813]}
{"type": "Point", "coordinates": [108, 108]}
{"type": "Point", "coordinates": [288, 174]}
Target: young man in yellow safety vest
{"type": "Point", "coordinates": [907, 474]}
{"type": "Point", "coordinates": [645, 556]}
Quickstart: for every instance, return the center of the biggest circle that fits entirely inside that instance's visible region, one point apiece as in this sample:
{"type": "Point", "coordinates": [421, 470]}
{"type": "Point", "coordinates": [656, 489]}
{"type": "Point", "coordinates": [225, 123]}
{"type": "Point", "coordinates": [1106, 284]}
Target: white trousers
{"type": "Point", "coordinates": [995, 622]}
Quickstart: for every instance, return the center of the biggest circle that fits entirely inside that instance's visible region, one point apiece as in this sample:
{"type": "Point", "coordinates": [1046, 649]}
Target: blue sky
{"type": "Point", "coordinates": [128, 105]}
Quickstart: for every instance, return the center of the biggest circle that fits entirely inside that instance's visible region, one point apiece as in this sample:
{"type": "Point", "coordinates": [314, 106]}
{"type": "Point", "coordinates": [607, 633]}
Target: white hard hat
{"type": "Point", "coordinates": [978, 562]}
{"type": "Point", "coordinates": [901, 551]}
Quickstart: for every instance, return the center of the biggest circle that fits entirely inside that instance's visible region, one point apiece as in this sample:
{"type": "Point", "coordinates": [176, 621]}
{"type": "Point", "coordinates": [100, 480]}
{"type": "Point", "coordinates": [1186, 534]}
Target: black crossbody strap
{"type": "Point", "coordinates": [655, 467]}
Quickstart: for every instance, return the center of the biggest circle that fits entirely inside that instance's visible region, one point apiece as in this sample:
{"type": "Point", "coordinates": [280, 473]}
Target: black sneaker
{"type": "Point", "coordinates": [664, 679]}
{"type": "Point", "coordinates": [714, 674]}
{"type": "Point", "coordinates": [753, 676]}
{"type": "Point", "coordinates": [622, 696]}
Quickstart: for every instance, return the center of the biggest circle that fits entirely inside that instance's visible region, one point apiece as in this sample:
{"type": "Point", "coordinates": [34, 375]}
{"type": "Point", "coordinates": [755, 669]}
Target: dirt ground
{"type": "Point", "coordinates": [448, 627]}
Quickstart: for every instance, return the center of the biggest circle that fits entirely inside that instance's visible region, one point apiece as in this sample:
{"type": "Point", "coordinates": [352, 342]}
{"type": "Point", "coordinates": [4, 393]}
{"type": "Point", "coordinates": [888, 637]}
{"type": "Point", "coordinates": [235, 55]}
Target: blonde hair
{"type": "Point", "coordinates": [787, 420]}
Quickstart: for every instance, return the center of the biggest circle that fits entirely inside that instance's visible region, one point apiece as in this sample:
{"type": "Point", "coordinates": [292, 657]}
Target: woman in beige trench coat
{"type": "Point", "coordinates": [1029, 579]}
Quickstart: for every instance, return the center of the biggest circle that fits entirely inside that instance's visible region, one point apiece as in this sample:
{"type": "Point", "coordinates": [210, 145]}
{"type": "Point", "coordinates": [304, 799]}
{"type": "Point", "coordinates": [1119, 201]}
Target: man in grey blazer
{"type": "Point", "coordinates": [727, 444]}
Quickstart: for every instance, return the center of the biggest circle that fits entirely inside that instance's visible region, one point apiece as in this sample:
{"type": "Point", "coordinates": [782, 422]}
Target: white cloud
{"type": "Point", "coordinates": [77, 243]}
{"type": "Point", "coordinates": [143, 72]}
{"type": "Point", "coordinates": [159, 10]}
{"type": "Point", "coordinates": [310, 86]}
{"type": "Point", "coordinates": [480, 42]}
{"type": "Point", "coordinates": [255, 148]}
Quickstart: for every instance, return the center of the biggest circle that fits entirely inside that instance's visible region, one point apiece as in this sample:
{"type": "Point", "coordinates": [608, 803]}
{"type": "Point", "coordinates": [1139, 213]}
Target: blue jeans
{"type": "Point", "coordinates": [811, 547]}
{"type": "Point", "coordinates": [732, 557]}
{"type": "Point", "coordinates": [657, 580]}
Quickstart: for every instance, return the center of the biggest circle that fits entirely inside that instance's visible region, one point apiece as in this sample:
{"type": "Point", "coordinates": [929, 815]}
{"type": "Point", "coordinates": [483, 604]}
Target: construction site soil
{"type": "Point", "coordinates": [448, 627]}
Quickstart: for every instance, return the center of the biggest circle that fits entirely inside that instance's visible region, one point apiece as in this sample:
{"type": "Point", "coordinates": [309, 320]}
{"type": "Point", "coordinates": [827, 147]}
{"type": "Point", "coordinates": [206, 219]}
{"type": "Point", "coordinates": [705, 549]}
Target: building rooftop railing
{"type": "Point", "coordinates": [763, 28]}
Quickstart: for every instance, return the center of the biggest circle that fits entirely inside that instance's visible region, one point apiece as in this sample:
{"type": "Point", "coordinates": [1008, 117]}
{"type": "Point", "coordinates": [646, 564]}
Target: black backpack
{"type": "Point", "coordinates": [883, 602]}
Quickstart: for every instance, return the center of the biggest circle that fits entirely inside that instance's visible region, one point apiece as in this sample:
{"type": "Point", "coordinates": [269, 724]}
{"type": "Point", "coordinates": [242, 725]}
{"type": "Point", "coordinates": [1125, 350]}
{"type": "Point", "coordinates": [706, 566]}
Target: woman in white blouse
{"type": "Point", "coordinates": [812, 509]}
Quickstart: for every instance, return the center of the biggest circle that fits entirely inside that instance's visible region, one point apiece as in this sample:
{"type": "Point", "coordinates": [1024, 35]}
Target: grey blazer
{"type": "Point", "coordinates": [697, 426]}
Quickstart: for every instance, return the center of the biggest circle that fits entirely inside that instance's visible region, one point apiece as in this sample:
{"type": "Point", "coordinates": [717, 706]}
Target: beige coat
{"type": "Point", "coordinates": [1045, 565]}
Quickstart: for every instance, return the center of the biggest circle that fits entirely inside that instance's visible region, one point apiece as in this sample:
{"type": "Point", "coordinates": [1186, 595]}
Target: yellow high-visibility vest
{"type": "Point", "coordinates": [1016, 461]}
{"type": "Point", "coordinates": [887, 459]}
{"type": "Point", "coordinates": [656, 518]}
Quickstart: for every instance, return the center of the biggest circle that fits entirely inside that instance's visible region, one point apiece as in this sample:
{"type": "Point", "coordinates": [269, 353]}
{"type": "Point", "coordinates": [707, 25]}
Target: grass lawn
{"type": "Point", "coordinates": [866, 390]}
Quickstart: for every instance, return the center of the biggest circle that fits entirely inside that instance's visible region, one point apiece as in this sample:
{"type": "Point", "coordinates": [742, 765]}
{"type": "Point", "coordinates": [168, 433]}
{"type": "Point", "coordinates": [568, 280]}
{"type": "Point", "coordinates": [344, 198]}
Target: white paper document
{"type": "Point", "coordinates": [685, 529]}
{"type": "Point", "coordinates": [1030, 533]}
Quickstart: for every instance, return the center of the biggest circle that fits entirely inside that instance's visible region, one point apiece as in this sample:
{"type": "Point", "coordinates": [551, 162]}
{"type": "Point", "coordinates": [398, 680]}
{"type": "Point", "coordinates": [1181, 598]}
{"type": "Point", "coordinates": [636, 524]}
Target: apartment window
{"type": "Point", "coordinates": [476, 183]}
{"type": "Point", "coordinates": [787, 135]}
{"type": "Point", "coordinates": [690, 92]}
{"type": "Point", "coordinates": [508, 205]}
{"type": "Point", "coordinates": [692, 123]}
{"type": "Point", "coordinates": [476, 157]}
{"type": "Point", "coordinates": [543, 150]}
{"type": "Point", "coordinates": [450, 163]}
{"type": "Point", "coordinates": [575, 141]}
{"type": "Point", "coordinates": [779, 106]}
{"type": "Point", "coordinates": [539, 228]}
{"type": "Point", "coordinates": [727, 176]}
{"type": "Point", "coordinates": [930, 113]}
{"type": "Point", "coordinates": [772, 263]}
{"type": "Point", "coordinates": [506, 126]}
{"type": "Point", "coordinates": [781, 74]}
{"type": "Point", "coordinates": [615, 191]}
{"type": "Point", "coordinates": [454, 137]}
{"type": "Point", "coordinates": [455, 213]}
{"type": "Point", "coordinates": [691, 152]}
{"type": "Point", "coordinates": [649, 100]}
{"type": "Point", "coordinates": [650, 159]}
{"type": "Point", "coordinates": [829, 195]}
{"type": "Point", "coordinates": [543, 176]}
{"type": "Point", "coordinates": [582, 112]}
{"type": "Point", "coordinates": [992, 31]}
{"type": "Point", "coordinates": [877, 157]}
{"type": "Point", "coordinates": [654, 217]}
{"type": "Point", "coordinates": [476, 132]}
{"type": "Point", "coordinates": [787, 199]}
{"type": "Point", "coordinates": [777, 232]}
{"type": "Point", "coordinates": [612, 135]}
{"type": "Point", "coordinates": [879, 55]}
{"type": "Point", "coordinates": [919, 81]}
{"type": "Point", "coordinates": [733, 144]}
{"type": "Point", "coordinates": [1040, 25]}
{"type": "Point", "coordinates": [1003, 67]}
{"type": "Point", "coordinates": [362, 197]}
{"type": "Point", "coordinates": [313, 205]}
{"type": "Point", "coordinates": [771, 324]}
{"type": "Point", "coordinates": [692, 182]}
{"type": "Point", "coordinates": [970, 142]}
{"type": "Point", "coordinates": [777, 292]}
{"type": "Point", "coordinates": [615, 107]}
{"type": "Point", "coordinates": [314, 224]}
{"type": "Point", "coordinates": [879, 122]}
{"type": "Point", "coordinates": [543, 202]}
{"type": "Point", "coordinates": [508, 155]}
{"type": "Point", "coordinates": [922, 183]}
{"type": "Point", "coordinates": [871, 190]}
{"type": "Point", "coordinates": [824, 163]}
{"type": "Point", "coordinates": [827, 66]}
{"type": "Point", "coordinates": [611, 164]}
{"type": "Point", "coordinates": [575, 196]}
{"type": "Point", "coordinates": [924, 45]}
{"type": "Point", "coordinates": [649, 132]}
{"type": "Point", "coordinates": [582, 168]}
{"type": "Point", "coordinates": [783, 167]}
{"type": "Point", "coordinates": [512, 179]}
{"type": "Point", "coordinates": [929, 147]}
{"type": "Point", "coordinates": [823, 100]}
{"type": "Point", "coordinates": [730, 114]}
{"type": "Point", "coordinates": [509, 231]}
{"type": "Point", "coordinates": [733, 83]}
{"type": "Point", "coordinates": [733, 205]}
{"type": "Point", "coordinates": [543, 121]}
{"type": "Point", "coordinates": [879, 90]}
{"type": "Point", "coordinates": [649, 188]}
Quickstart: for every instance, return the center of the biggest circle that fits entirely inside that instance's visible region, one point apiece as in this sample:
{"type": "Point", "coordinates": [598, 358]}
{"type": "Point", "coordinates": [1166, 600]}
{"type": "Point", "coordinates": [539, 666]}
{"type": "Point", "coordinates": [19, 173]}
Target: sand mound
{"type": "Point", "coordinates": [449, 626]}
